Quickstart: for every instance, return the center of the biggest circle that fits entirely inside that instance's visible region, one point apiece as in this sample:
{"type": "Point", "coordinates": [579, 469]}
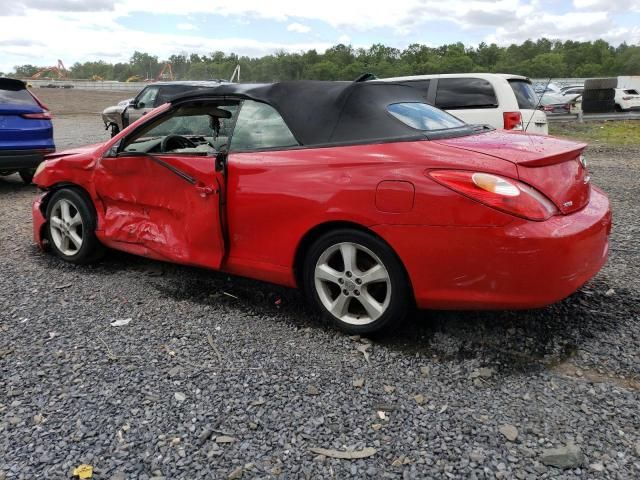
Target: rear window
{"type": "Point", "coordinates": [460, 93]}
{"type": "Point", "coordinates": [423, 117]}
{"type": "Point", "coordinates": [16, 97]}
{"type": "Point", "coordinates": [421, 85]}
{"type": "Point", "coordinates": [526, 96]}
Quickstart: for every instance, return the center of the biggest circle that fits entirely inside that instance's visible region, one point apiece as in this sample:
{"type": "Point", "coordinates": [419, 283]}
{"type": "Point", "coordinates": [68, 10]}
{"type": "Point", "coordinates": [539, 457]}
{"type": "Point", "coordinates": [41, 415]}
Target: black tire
{"type": "Point", "coordinates": [90, 249]}
{"type": "Point", "coordinates": [27, 175]}
{"type": "Point", "coordinates": [400, 302]}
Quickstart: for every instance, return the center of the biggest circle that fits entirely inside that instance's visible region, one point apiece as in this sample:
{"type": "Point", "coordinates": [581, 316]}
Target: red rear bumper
{"type": "Point", "coordinates": [38, 221]}
{"type": "Point", "coordinates": [521, 265]}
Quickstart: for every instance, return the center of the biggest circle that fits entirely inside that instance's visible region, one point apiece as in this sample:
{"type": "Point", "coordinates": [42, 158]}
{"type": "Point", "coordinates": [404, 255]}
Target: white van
{"type": "Point", "coordinates": [500, 100]}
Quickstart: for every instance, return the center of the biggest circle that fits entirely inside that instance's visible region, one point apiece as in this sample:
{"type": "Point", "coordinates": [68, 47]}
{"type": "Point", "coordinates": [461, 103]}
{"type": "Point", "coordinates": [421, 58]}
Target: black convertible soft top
{"type": "Point", "coordinates": [325, 113]}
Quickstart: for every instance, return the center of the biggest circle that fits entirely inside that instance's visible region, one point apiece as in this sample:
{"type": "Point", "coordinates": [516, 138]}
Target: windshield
{"type": "Point", "coordinates": [527, 99]}
{"type": "Point", "coordinates": [422, 116]}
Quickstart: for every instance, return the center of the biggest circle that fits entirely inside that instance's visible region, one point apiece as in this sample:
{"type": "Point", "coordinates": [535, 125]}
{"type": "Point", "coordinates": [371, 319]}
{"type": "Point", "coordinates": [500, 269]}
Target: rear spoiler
{"type": "Point", "coordinates": [12, 83]}
{"type": "Point", "coordinates": [555, 158]}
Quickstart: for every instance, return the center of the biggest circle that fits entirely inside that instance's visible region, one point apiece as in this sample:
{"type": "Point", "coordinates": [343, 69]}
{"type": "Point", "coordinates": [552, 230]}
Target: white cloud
{"type": "Point", "coordinates": [298, 28]}
{"type": "Point", "coordinates": [186, 26]}
{"type": "Point", "coordinates": [74, 32]}
{"type": "Point", "coordinates": [578, 26]}
{"type": "Point", "coordinates": [76, 39]}
{"type": "Point", "coordinates": [619, 6]}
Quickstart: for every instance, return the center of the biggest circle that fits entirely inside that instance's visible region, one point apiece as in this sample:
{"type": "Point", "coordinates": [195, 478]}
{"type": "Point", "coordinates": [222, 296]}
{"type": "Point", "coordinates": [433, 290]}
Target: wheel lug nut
{"type": "Point", "coordinates": [348, 274]}
{"type": "Point", "coordinates": [357, 292]}
{"type": "Point", "coordinates": [359, 281]}
{"type": "Point", "coordinates": [345, 291]}
{"type": "Point", "coordinates": [340, 281]}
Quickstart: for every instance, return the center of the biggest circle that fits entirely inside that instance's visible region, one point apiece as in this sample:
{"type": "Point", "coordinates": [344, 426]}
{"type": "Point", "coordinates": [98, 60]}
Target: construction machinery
{"type": "Point", "coordinates": [59, 71]}
{"type": "Point", "coordinates": [235, 74]}
{"type": "Point", "coordinates": [166, 73]}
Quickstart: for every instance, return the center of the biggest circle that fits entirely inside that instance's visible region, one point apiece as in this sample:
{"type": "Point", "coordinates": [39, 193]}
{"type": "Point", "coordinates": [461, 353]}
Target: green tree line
{"type": "Point", "coordinates": [537, 59]}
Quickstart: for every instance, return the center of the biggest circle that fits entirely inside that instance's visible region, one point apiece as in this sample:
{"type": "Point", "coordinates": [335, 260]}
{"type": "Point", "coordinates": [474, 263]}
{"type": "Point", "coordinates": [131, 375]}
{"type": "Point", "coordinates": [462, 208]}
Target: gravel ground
{"type": "Point", "coordinates": [223, 377]}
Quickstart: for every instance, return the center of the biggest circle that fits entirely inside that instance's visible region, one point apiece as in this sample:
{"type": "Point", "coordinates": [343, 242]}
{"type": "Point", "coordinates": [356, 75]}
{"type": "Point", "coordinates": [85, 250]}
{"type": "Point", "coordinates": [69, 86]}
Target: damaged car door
{"type": "Point", "coordinates": [160, 189]}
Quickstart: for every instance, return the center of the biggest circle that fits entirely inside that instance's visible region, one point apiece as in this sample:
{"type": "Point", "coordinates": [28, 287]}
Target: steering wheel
{"type": "Point", "coordinates": [175, 141]}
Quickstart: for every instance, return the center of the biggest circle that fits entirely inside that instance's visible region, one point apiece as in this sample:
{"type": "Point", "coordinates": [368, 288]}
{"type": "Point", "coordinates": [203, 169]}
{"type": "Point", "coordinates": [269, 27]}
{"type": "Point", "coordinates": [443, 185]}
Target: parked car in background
{"type": "Point", "coordinates": [556, 103]}
{"type": "Point", "coordinates": [26, 132]}
{"type": "Point", "coordinates": [362, 193]}
{"type": "Point", "coordinates": [545, 88]}
{"type": "Point", "coordinates": [503, 101]}
{"type": "Point", "coordinates": [627, 99]}
{"type": "Point", "coordinates": [575, 90]}
{"type": "Point", "coordinates": [118, 117]}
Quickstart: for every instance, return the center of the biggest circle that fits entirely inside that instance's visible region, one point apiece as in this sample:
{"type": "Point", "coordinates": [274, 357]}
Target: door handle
{"type": "Point", "coordinates": [205, 190]}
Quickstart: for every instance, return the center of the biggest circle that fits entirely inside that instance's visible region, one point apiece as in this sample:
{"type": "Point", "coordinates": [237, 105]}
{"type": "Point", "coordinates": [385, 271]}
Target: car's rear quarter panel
{"type": "Point", "coordinates": [275, 198]}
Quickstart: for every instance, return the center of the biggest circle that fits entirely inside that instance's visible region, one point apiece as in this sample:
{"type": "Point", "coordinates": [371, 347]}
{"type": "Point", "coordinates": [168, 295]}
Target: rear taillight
{"type": "Point", "coordinates": [512, 120]}
{"type": "Point", "coordinates": [46, 115]}
{"type": "Point", "coordinates": [504, 194]}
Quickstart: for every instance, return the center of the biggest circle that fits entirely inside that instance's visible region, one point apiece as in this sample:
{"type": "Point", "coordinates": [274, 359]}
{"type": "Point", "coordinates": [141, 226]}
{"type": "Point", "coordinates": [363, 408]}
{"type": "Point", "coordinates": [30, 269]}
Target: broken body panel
{"type": "Point", "coordinates": [252, 217]}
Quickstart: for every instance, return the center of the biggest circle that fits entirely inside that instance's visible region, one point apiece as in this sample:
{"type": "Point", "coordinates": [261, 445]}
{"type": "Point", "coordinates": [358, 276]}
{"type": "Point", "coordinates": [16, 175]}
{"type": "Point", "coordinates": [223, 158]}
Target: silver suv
{"type": "Point", "coordinates": [126, 112]}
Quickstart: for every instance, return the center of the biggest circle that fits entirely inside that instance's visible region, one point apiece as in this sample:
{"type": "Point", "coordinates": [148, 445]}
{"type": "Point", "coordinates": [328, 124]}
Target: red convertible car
{"type": "Point", "coordinates": [370, 199]}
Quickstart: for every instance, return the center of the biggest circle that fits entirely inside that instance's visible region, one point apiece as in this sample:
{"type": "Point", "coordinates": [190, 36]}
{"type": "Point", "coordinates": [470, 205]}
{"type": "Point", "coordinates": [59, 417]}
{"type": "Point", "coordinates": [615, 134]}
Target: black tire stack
{"type": "Point", "coordinates": [599, 95]}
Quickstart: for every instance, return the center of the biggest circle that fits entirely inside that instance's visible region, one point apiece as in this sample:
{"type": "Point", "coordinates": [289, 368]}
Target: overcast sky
{"type": "Point", "coordinates": [41, 31]}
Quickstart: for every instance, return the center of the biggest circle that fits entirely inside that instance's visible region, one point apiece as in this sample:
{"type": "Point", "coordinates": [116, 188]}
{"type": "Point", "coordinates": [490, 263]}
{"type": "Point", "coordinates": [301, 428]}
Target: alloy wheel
{"type": "Point", "coordinates": [66, 227]}
{"type": "Point", "coordinates": [352, 283]}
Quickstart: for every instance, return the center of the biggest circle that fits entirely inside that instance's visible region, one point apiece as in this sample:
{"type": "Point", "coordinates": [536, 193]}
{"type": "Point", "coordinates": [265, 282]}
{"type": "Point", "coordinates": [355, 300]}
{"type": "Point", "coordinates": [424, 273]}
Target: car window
{"type": "Point", "coordinates": [422, 116]}
{"type": "Point", "coordinates": [422, 85]}
{"type": "Point", "coordinates": [168, 92]}
{"type": "Point", "coordinates": [459, 93]}
{"type": "Point", "coordinates": [147, 97]}
{"type": "Point", "coordinates": [193, 130]}
{"type": "Point", "coordinates": [525, 95]}
{"type": "Point", "coordinates": [260, 126]}
{"type": "Point", "coordinates": [631, 92]}
{"type": "Point", "coordinates": [20, 97]}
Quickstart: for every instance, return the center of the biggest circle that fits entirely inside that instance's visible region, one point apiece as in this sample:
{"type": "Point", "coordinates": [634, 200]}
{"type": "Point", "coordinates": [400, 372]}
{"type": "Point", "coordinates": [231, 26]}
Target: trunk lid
{"type": "Point", "coordinates": [551, 165]}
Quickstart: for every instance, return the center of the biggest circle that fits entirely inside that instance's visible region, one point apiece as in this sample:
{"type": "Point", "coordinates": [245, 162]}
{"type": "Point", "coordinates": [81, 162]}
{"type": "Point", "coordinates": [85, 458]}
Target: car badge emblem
{"type": "Point", "coordinates": [567, 204]}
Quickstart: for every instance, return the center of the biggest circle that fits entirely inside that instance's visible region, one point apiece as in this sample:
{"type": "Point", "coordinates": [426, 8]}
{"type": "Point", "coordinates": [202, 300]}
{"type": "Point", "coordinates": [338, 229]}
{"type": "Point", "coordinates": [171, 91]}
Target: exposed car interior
{"type": "Point", "coordinates": [200, 129]}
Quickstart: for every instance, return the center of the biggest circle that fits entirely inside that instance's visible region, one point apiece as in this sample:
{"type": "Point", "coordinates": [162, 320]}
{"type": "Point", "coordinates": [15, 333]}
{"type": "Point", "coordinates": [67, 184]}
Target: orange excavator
{"type": "Point", "coordinates": [166, 73]}
{"type": "Point", "coordinates": [59, 71]}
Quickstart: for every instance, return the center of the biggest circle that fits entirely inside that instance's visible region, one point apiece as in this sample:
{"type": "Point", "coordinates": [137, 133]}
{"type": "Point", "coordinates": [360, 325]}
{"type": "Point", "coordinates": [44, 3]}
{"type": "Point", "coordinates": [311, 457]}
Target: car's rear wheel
{"type": "Point", "coordinates": [26, 175]}
{"type": "Point", "coordinates": [357, 282]}
{"type": "Point", "coordinates": [71, 224]}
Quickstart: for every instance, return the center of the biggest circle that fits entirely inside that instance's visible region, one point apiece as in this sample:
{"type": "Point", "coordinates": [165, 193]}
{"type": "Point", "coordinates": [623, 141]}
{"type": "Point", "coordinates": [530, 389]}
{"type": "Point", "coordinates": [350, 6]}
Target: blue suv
{"type": "Point", "coordinates": [26, 132]}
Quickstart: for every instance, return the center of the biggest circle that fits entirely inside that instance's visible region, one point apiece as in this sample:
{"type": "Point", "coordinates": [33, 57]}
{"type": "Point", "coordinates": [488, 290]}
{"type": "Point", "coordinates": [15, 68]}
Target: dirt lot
{"type": "Point", "coordinates": [80, 102]}
{"type": "Point", "coordinates": [77, 113]}
{"type": "Point", "coordinates": [218, 377]}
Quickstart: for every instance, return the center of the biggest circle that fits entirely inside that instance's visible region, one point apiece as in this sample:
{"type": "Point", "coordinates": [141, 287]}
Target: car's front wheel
{"type": "Point", "coordinates": [71, 224]}
{"type": "Point", "coordinates": [357, 282]}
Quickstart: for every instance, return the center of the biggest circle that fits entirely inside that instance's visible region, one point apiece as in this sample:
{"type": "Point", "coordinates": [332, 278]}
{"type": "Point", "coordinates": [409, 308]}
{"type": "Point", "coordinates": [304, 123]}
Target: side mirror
{"type": "Point", "coordinates": [139, 105]}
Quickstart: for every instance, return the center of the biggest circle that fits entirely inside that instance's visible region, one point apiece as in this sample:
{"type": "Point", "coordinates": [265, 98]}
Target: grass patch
{"type": "Point", "coordinates": [614, 132]}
